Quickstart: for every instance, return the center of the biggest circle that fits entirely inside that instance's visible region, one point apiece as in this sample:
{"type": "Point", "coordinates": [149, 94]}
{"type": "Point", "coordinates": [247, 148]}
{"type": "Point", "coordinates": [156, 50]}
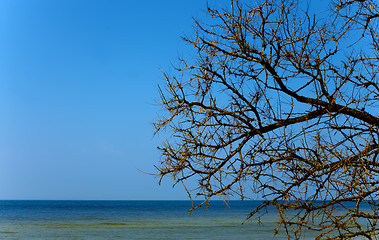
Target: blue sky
{"type": "Point", "coordinates": [78, 84]}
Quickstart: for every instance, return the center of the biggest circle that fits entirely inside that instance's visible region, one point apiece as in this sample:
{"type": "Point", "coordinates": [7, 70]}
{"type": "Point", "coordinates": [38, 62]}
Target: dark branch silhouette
{"type": "Point", "coordinates": [281, 102]}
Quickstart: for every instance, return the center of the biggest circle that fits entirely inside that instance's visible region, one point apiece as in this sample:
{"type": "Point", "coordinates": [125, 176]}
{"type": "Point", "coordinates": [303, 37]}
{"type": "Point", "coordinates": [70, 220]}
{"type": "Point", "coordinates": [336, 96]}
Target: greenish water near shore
{"type": "Point", "coordinates": [39, 220]}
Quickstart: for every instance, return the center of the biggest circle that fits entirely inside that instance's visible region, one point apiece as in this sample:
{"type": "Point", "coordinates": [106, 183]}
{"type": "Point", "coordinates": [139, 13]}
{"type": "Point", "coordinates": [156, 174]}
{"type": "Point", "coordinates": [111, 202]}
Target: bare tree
{"type": "Point", "coordinates": [281, 102]}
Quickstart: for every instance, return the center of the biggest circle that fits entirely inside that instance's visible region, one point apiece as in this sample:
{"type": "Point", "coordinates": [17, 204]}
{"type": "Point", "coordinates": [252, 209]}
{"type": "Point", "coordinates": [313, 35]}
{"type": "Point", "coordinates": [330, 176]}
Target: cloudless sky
{"type": "Point", "coordinates": [78, 84]}
{"type": "Point", "coordinates": [78, 91]}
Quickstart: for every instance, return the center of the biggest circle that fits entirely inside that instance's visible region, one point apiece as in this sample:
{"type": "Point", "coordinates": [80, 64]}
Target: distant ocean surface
{"type": "Point", "coordinates": [37, 220]}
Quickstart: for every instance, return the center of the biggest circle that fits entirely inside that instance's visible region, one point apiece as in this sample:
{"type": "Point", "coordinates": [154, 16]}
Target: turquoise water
{"type": "Point", "coordinates": [39, 220]}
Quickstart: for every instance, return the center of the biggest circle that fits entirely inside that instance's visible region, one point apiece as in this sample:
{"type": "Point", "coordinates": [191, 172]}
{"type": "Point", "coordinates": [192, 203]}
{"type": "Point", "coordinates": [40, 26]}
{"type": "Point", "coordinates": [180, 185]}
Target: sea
{"type": "Point", "coordinates": [40, 220]}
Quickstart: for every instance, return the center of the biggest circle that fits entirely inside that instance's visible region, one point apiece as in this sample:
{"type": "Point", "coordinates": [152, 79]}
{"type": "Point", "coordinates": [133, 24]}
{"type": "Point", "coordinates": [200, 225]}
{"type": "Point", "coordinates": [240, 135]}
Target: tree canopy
{"type": "Point", "coordinates": [280, 102]}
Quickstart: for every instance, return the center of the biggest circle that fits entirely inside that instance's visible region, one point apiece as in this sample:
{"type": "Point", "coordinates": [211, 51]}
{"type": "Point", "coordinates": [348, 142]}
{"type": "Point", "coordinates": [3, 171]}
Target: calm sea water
{"type": "Point", "coordinates": [131, 220]}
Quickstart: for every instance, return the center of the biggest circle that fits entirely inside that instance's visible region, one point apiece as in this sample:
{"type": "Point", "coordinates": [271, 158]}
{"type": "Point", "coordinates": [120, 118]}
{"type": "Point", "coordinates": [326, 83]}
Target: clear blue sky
{"type": "Point", "coordinates": [78, 84]}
